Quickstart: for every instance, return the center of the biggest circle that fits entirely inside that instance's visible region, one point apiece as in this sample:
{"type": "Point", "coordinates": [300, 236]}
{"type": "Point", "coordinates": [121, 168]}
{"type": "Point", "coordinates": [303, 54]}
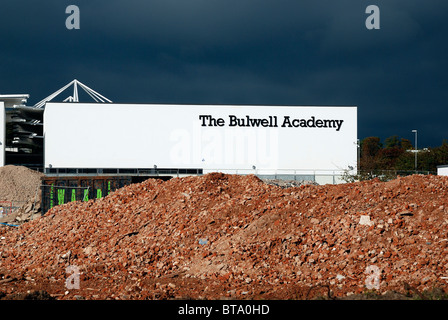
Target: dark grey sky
{"type": "Point", "coordinates": [258, 52]}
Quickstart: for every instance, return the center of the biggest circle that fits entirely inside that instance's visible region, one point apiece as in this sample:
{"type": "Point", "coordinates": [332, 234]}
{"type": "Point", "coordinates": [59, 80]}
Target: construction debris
{"type": "Point", "coordinates": [227, 236]}
{"type": "Point", "coordinates": [20, 194]}
{"type": "Point", "coordinates": [289, 183]}
{"type": "Point", "coordinates": [18, 183]}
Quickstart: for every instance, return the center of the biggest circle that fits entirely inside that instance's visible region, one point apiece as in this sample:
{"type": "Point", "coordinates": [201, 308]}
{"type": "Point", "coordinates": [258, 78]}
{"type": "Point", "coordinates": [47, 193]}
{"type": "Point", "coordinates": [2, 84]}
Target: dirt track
{"type": "Point", "coordinates": [227, 236]}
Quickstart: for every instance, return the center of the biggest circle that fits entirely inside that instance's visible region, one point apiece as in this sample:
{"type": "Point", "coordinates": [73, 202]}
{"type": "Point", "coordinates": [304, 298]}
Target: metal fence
{"type": "Point", "coordinates": [9, 207]}
{"type": "Point", "coordinates": [61, 190]}
{"type": "Point", "coordinates": [317, 176]}
{"type": "Point", "coordinates": [383, 175]}
{"type": "Point", "coordinates": [121, 171]}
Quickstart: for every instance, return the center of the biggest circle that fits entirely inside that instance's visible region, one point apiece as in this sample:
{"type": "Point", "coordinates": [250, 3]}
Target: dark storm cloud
{"type": "Point", "coordinates": [240, 52]}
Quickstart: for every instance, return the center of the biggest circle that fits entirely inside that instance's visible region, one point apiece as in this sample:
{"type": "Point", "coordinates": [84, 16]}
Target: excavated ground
{"type": "Point", "coordinates": [223, 236]}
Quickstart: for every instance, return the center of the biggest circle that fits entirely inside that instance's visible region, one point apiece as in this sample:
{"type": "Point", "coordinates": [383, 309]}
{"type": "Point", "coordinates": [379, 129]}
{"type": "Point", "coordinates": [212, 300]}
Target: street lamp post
{"type": "Point", "coordinates": [416, 149]}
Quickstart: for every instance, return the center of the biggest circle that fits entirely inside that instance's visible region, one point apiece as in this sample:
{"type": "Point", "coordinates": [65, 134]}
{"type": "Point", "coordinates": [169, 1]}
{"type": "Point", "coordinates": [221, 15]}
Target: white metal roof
{"type": "Point", "coordinates": [74, 98]}
{"type": "Point", "coordinates": [11, 100]}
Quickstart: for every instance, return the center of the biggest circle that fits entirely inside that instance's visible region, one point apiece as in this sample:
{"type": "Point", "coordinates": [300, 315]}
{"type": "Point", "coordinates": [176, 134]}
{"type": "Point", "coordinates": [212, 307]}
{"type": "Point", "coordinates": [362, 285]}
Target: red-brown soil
{"type": "Point", "coordinates": [223, 236]}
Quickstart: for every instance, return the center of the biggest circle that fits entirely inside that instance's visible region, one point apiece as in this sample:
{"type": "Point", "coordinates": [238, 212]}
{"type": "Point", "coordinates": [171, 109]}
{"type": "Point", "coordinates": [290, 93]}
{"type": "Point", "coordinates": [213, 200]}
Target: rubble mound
{"type": "Point", "coordinates": [20, 189]}
{"type": "Point", "coordinates": [18, 183]}
{"type": "Point", "coordinates": [228, 236]}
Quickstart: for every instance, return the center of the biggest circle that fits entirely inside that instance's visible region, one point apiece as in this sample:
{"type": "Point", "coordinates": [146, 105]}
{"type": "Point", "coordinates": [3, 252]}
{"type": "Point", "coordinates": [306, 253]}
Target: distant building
{"type": "Point", "coordinates": [21, 134]}
{"type": "Point", "coordinates": [70, 137]}
{"type": "Point", "coordinates": [442, 170]}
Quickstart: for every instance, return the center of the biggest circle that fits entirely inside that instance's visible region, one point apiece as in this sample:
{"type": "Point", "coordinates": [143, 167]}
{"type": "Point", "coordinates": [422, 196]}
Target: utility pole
{"type": "Point", "coordinates": [416, 150]}
{"type": "Point", "coordinates": [358, 144]}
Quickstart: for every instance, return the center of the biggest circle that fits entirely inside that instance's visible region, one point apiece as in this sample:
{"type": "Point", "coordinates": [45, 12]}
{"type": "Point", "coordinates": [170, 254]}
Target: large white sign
{"type": "Point", "coordinates": [209, 137]}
